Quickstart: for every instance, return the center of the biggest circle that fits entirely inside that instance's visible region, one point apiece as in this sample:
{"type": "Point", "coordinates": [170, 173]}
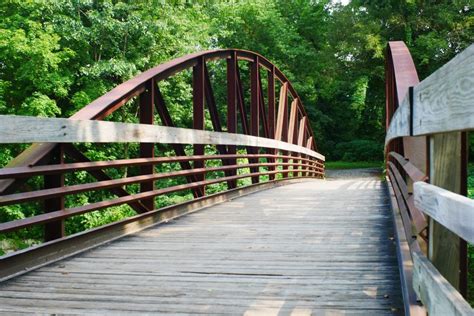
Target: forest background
{"type": "Point", "coordinates": [58, 56]}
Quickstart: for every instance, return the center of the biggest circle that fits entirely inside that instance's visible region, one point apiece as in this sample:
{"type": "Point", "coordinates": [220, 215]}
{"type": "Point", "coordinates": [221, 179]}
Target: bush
{"type": "Point", "coordinates": [358, 150]}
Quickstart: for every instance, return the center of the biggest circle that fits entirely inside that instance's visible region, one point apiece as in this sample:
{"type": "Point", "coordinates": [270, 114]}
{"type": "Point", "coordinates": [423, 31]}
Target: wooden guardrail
{"type": "Point", "coordinates": [269, 136]}
{"type": "Point", "coordinates": [436, 219]}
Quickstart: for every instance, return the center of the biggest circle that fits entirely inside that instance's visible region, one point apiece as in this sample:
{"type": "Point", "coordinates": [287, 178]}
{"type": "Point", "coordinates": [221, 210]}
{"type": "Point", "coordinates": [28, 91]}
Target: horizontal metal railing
{"type": "Point", "coordinates": [264, 137]}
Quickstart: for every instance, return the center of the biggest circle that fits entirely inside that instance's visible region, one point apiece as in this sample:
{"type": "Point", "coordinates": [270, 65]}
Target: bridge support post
{"type": "Point", "coordinates": [301, 137]}
{"type": "Point", "coordinates": [292, 130]}
{"type": "Point", "coordinates": [255, 110]}
{"type": "Point", "coordinates": [232, 110]}
{"type": "Point", "coordinates": [198, 114]}
{"type": "Point", "coordinates": [147, 149]}
{"type": "Point", "coordinates": [271, 117]}
{"type": "Point", "coordinates": [54, 230]}
{"type": "Point", "coordinates": [281, 131]}
{"type": "Point", "coordinates": [448, 170]}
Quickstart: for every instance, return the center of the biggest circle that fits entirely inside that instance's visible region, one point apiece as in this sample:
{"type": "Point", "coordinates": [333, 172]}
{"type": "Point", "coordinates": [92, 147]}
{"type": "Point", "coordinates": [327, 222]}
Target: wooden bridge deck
{"type": "Point", "coordinates": [319, 247]}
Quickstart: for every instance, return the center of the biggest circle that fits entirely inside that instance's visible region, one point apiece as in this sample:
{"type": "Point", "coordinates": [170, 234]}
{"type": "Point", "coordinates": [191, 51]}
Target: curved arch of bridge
{"type": "Point", "coordinates": [276, 130]}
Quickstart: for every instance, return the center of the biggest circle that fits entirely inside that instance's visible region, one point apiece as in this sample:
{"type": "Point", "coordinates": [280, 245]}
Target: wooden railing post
{"type": "Point", "coordinates": [447, 170]}
{"type": "Point", "coordinates": [147, 150]}
{"type": "Point", "coordinates": [54, 230]}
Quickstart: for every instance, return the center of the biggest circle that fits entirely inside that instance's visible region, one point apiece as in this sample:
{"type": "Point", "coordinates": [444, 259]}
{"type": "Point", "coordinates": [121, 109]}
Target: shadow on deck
{"type": "Point", "coordinates": [311, 248]}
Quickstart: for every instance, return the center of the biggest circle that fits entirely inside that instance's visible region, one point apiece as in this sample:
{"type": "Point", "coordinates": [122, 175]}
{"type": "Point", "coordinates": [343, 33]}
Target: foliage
{"type": "Point", "coordinates": [332, 165]}
{"type": "Point", "coordinates": [358, 150]}
{"type": "Point", "coordinates": [470, 247]}
{"type": "Point", "coordinates": [58, 56]}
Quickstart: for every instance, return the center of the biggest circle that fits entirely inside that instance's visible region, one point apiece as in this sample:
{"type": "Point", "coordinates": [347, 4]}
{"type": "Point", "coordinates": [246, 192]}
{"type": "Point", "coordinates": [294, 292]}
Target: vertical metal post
{"type": "Point", "coordinates": [198, 111]}
{"type": "Point", "coordinates": [254, 107]}
{"type": "Point", "coordinates": [281, 131]}
{"type": "Point", "coordinates": [271, 114]}
{"type": "Point", "coordinates": [54, 230]}
{"type": "Point", "coordinates": [292, 128]}
{"type": "Point", "coordinates": [301, 137]}
{"type": "Point", "coordinates": [216, 123]}
{"type": "Point", "coordinates": [147, 150]}
{"type": "Point", "coordinates": [232, 108]}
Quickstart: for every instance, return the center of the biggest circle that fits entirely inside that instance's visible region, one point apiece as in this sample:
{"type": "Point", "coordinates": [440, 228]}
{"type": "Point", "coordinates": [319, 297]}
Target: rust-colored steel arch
{"type": "Point", "coordinates": [405, 161]}
{"type": "Point", "coordinates": [270, 119]}
{"type": "Point", "coordinates": [400, 75]}
{"type": "Point", "coordinates": [118, 96]}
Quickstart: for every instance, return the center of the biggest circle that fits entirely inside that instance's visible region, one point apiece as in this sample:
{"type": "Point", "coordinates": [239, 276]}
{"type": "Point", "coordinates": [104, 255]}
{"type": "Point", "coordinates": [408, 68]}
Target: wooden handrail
{"type": "Point", "coordinates": [53, 138]}
{"type": "Point", "coordinates": [453, 211]}
{"type": "Point", "coordinates": [442, 103]}
{"type": "Point", "coordinates": [22, 172]}
{"type": "Point", "coordinates": [27, 129]}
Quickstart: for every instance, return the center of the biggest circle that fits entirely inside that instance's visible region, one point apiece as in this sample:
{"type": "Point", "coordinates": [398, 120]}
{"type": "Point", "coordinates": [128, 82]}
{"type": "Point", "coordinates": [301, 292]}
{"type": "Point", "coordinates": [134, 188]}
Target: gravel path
{"type": "Point", "coordinates": [353, 173]}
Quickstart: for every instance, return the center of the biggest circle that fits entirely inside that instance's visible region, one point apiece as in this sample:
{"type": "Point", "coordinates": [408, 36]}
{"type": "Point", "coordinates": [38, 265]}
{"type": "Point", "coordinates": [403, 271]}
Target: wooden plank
{"type": "Point", "coordinates": [23, 261]}
{"type": "Point", "coordinates": [400, 123]}
{"type": "Point", "coordinates": [453, 211]}
{"type": "Point", "coordinates": [439, 297]}
{"type": "Point", "coordinates": [445, 171]}
{"type": "Point", "coordinates": [411, 305]}
{"type": "Point", "coordinates": [444, 102]}
{"type": "Point", "coordinates": [299, 247]}
{"type": "Point", "coordinates": [25, 129]}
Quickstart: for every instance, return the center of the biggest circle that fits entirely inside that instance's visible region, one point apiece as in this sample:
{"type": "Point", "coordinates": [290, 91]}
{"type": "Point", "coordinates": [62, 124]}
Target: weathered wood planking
{"type": "Point", "coordinates": [439, 297]}
{"type": "Point", "coordinates": [453, 211]}
{"type": "Point", "coordinates": [27, 129]}
{"type": "Point", "coordinates": [400, 123]}
{"type": "Point", "coordinates": [301, 249]}
{"type": "Point", "coordinates": [444, 247]}
{"type": "Point", "coordinates": [443, 102]}
{"type": "Point", "coordinates": [411, 305]}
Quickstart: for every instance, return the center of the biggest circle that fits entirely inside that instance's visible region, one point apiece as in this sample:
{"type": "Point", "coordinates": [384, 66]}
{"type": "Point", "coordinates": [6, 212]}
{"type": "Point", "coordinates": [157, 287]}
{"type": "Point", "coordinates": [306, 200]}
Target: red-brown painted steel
{"type": "Point", "coordinates": [178, 148]}
{"type": "Point", "coordinates": [260, 121]}
{"type": "Point", "coordinates": [147, 150]}
{"type": "Point", "coordinates": [56, 229]}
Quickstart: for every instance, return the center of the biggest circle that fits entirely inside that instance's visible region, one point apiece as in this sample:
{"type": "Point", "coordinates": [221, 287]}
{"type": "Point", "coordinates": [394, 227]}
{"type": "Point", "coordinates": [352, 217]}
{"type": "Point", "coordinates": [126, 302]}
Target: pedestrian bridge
{"type": "Point", "coordinates": [295, 241]}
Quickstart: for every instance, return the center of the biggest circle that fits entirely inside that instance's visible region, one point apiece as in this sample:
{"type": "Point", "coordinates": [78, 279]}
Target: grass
{"type": "Point", "coordinates": [352, 164]}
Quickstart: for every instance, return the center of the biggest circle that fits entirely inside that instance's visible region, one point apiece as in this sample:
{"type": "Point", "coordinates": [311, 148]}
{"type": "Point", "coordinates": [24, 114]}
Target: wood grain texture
{"type": "Point", "coordinates": [26, 129]}
{"type": "Point", "coordinates": [443, 102]}
{"type": "Point", "coordinates": [439, 297]}
{"type": "Point", "coordinates": [453, 211]}
{"type": "Point", "coordinates": [445, 172]}
{"type": "Point", "coordinates": [400, 123]}
{"type": "Point", "coordinates": [411, 304]}
{"type": "Point", "coordinates": [299, 249]}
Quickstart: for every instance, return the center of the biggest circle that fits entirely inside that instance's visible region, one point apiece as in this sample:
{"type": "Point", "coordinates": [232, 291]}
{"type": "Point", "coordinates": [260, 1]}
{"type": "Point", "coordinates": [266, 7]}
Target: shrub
{"type": "Point", "coordinates": [358, 150]}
